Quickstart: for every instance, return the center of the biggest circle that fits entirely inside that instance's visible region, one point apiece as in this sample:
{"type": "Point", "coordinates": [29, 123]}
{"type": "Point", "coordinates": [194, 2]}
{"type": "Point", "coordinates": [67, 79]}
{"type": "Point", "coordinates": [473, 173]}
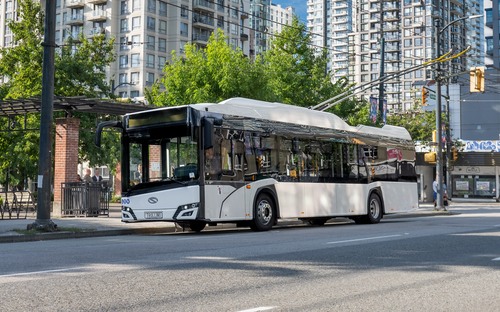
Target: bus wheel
{"type": "Point", "coordinates": [264, 213]}
{"type": "Point", "coordinates": [374, 209]}
{"type": "Point", "coordinates": [197, 226]}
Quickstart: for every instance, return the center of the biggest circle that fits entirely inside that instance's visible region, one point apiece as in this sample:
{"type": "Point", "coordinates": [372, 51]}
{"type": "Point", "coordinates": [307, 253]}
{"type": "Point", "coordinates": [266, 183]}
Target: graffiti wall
{"type": "Point", "coordinates": [482, 146]}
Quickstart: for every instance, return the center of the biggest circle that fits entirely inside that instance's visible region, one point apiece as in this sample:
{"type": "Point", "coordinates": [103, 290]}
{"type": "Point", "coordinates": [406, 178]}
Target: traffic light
{"type": "Point", "coordinates": [477, 79]}
{"type": "Point", "coordinates": [430, 157]}
{"type": "Point", "coordinates": [434, 136]}
{"type": "Point", "coordinates": [425, 94]}
{"type": "Point", "coordinates": [454, 154]}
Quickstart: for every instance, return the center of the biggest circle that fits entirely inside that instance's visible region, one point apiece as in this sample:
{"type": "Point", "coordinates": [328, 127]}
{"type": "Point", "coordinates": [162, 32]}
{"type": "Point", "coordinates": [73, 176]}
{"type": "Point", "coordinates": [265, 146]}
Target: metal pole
{"type": "Point", "coordinates": [439, 160]}
{"type": "Point", "coordinates": [382, 65]}
{"type": "Point", "coordinates": [44, 186]}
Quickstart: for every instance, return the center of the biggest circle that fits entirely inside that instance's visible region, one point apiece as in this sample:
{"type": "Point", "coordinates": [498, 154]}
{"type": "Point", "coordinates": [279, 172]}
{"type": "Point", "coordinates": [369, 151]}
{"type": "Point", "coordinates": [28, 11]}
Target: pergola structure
{"type": "Point", "coordinates": [67, 130]}
{"type": "Point", "coordinates": [69, 105]}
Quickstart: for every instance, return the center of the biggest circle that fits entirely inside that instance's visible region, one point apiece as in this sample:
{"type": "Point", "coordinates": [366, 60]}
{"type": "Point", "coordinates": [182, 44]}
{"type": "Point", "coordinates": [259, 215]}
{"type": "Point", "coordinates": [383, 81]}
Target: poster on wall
{"type": "Point", "coordinates": [482, 185]}
{"type": "Point", "coordinates": [462, 185]}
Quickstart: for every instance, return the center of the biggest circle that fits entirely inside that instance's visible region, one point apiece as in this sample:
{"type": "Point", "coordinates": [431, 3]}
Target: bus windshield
{"type": "Point", "coordinates": [166, 159]}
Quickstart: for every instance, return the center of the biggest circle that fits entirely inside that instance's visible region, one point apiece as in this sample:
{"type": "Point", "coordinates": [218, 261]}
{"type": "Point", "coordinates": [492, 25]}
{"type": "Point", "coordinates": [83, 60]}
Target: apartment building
{"type": "Point", "coordinates": [353, 31]}
{"type": "Point", "coordinates": [330, 23]}
{"type": "Point", "coordinates": [147, 31]}
{"type": "Point", "coordinates": [492, 31]}
{"type": "Point", "coordinates": [280, 16]}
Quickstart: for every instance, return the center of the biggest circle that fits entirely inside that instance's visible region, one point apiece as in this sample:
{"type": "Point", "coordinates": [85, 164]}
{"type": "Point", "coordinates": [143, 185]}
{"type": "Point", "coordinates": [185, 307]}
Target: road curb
{"type": "Point", "coordinates": [18, 238]}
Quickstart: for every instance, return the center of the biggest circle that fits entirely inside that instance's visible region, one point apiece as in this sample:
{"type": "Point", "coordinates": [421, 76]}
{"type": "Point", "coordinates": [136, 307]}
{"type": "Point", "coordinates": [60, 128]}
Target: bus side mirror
{"type": "Point", "coordinates": [208, 133]}
{"type": "Point", "coordinates": [105, 124]}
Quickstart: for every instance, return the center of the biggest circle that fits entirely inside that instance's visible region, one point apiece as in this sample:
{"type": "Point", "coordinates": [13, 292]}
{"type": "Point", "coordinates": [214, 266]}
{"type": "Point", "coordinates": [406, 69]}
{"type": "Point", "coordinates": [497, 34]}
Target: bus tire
{"type": "Point", "coordinates": [264, 213]}
{"type": "Point", "coordinates": [374, 209]}
{"type": "Point", "coordinates": [197, 226]}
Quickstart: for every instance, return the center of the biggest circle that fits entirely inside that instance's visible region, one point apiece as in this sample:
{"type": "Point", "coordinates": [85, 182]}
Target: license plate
{"type": "Point", "coordinates": [153, 215]}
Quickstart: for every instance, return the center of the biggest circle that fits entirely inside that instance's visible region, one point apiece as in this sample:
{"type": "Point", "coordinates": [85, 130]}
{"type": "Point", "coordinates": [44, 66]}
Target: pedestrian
{"type": "Point", "coordinates": [87, 178]}
{"type": "Point", "coordinates": [96, 177]}
{"type": "Point", "coordinates": [435, 192]}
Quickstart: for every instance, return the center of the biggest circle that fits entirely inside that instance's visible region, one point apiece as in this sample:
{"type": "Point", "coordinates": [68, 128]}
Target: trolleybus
{"type": "Point", "coordinates": [253, 163]}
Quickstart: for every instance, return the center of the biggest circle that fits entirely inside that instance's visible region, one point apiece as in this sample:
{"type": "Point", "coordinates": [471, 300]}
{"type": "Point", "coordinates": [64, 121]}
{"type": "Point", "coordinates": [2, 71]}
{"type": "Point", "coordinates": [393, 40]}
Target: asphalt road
{"type": "Point", "coordinates": [441, 263]}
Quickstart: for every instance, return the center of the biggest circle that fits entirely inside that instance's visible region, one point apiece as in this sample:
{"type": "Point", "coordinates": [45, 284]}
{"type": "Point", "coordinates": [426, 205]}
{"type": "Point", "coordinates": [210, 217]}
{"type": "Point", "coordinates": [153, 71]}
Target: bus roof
{"type": "Point", "coordinates": [297, 115]}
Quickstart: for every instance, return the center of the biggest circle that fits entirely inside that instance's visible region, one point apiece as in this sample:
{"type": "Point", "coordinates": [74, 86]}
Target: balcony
{"type": "Point", "coordinates": [201, 38]}
{"type": "Point", "coordinates": [73, 4]}
{"type": "Point", "coordinates": [203, 21]}
{"type": "Point", "coordinates": [97, 1]}
{"type": "Point", "coordinates": [204, 5]}
{"type": "Point", "coordinates": [96, 31]}
{"type": "Point", "coordinates": [75, 19]}
{"type": "Point", "coordinates": [98, 16]}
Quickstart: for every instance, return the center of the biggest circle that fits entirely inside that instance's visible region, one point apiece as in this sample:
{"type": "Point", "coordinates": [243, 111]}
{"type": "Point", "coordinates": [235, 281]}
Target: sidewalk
{"type": "Point", "coordinates": [79, 227]}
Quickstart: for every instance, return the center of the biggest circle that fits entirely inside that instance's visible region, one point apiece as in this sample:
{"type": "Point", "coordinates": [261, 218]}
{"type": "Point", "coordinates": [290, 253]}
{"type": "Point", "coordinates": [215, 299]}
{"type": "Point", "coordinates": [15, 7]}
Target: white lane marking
{"type": "Point", "coordinates": [208, 258]}
{"type": "Point", "coordinates": [258, 309]}
{"type": "Point", "coordinates": [496, 259]}
{"type": "Point", "coordinates": [366, 239]}
{"type": "Point", "coordinates": [39, 272]}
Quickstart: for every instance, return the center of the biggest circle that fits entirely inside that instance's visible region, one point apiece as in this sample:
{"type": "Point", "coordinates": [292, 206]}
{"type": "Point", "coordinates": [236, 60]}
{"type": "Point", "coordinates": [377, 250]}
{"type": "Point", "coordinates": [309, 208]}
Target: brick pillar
{"type": "Point", "coordinates": [118, 180]}
{"type": "Point", "coordinates": [65, 157]}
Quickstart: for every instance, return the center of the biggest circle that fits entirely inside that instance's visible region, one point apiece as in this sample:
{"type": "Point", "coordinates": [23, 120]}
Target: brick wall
{"type": "Point", "coordinates": [66, 153]}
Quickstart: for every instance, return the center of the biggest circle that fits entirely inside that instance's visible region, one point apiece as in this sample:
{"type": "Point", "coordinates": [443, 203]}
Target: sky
{"type": "Point", "coordinates": [299, 5]}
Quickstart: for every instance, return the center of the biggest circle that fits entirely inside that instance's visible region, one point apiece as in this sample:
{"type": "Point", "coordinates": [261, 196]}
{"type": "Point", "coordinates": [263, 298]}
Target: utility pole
{"type": "Point", "coordinates": [44, 184]}
{"type": "Point", "coordinates": [439, 148]}
{"type": "Point", "coordinates": [382, 63]}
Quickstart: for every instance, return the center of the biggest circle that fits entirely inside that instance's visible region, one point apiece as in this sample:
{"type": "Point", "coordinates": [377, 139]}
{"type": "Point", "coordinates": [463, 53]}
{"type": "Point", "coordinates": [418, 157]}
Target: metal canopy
{"type": "Point", "coordinates": [69, 105]}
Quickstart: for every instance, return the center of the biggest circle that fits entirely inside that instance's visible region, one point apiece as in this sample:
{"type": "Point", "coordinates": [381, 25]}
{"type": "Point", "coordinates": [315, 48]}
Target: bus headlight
{"type": "Point", "coordinates": [188, 206]}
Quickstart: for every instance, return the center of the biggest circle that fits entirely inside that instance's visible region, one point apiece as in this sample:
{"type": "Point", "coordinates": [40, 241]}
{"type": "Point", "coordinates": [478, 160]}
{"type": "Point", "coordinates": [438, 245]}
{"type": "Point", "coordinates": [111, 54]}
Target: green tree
{"type": "Point", "coordinates": [80, 70]}
{"type": "Point", "coordinates": [211, 74]}
{"type": "Point", "coordinates": [419, 123]}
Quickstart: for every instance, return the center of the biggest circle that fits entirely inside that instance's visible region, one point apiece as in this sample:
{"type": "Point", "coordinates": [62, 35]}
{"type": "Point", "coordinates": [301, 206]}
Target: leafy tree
{"type": "Point", "coordinates": [419, 123]}
{"type": "Point", "coordinates": [212, 74]}
{"type": "Point", "coordinates": [80, 70]}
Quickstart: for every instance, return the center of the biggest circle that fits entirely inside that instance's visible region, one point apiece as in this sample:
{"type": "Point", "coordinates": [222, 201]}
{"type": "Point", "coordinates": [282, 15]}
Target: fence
{"type": "Point", "coordinates": [16, 204]}
{"type": "Point", "coordinates": [85, 199]}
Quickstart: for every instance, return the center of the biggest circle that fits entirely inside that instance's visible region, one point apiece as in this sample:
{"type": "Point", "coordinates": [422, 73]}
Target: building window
{"type": "Point", "coordinates": [184, 11]}
{"type": "Point", "coordinates": [136, 5]}
{"type": "Point", "coordinates": [124, 7]}
{"type": "Point", "coordinates": [124, 44]}
{"type": "Point", "coordinates": [135, 60]}
{"type": "Point", "coordinates": [150, 79]}
{"type": "Point", "coordinates": [151, 23]}
{"type": "Point", "coordinates": [134, 78]}
{"type": "Point", "coordinates": [151, 42]}
{"type": "Point", "coordinates": [162, 27]}
{"type": "Point", "coordinates": [124, 25]}
{"type": "Point", "coordinates": [163, 8]}
{"type": "Point", "coordinates": [161, 62]}
{"type": "Point", "coordinates": [123, 78]}
{"type": "Point", "coordinates": [152, 6]}
{"type": "Point", "coordinates": [162, 45]}
{"type": "Point", "coordinates": [184, 29]}
{"type": "Point", "coordinates": [136, 40]}
{"type": "Point", "coordinates": [123, 61]}
{"type": "Point", "coordinates": [150, 61]}
{"type": "Point", "coordinates": [136, 22]}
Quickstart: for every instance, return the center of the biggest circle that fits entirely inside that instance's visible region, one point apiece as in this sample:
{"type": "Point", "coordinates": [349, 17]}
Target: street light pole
{"type": "Point", "coordinates": [44, 185]}
{"type": "Point", "coordinates": [439, 133]}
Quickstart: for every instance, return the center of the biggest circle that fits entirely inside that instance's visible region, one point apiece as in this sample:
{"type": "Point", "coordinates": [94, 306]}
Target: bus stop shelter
{"type": "Point", "coordinates": [66, 131]}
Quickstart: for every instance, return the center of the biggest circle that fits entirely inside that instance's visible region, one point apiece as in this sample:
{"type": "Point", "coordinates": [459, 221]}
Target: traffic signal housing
{"type": "Point", "coordinates": [425, 94]}
{"type": "Point", "coordinates": [454, 154]}
{"type": "Point", "coordinates": [430, 157]}
{"type": "Point", "coordinates": [477, 79]}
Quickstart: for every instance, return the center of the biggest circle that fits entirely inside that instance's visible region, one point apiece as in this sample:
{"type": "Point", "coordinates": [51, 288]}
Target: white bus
{"type": "Point", "coordinates": [252, 163]}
